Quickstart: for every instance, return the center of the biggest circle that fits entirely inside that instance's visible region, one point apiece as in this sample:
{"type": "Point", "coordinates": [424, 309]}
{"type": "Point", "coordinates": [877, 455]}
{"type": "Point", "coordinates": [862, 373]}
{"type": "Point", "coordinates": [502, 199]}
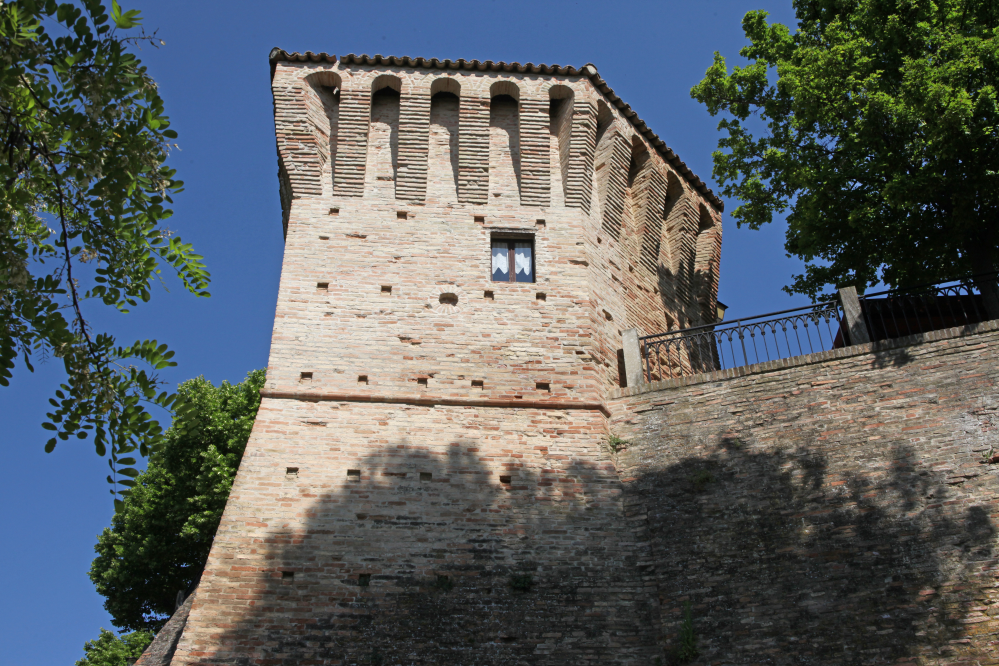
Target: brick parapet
{"type": "Point", "coordinates": [807, 359]}
{"type": "Point", "coordinates": [836, 508]}
{"type": "Point", "coordinates": [326, 60]}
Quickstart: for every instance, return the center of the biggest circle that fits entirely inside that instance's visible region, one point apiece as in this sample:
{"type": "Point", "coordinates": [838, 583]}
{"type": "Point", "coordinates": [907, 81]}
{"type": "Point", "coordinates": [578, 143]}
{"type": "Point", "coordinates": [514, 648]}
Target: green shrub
{"type": "Point", "coordinates": [701, 479]}
{"type": "Point", "coordinates": [687, 651]}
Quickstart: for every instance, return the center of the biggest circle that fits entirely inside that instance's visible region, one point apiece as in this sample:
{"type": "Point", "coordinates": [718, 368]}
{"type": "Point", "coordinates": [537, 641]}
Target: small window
{"type": "Point", "coordinates": [513, 260]}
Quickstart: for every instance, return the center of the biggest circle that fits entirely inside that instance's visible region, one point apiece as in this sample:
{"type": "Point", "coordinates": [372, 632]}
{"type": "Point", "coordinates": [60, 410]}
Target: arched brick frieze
{"type": "Point", "coordinates": [505, 167]}
{"type": "Point", "coordinates": [612, 160]}
{"type": "Point", "coordinates": [443, 162]}
{"type": "Point", "coordinates": [560, 106]}
{"type": "Point", "coordinates": [382, 163]}
{"type": "Point", "coordinates": [323, 104]}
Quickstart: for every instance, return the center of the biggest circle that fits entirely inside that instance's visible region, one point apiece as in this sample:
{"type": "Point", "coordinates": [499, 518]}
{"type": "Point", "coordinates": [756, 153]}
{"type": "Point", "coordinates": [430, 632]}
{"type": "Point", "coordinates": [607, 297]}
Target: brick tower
{"type": "Point", "coordinates": [429, 479]}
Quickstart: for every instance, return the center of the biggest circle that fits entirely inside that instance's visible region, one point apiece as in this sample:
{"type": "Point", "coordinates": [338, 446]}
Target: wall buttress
{"type": "Point", "coordinates": [473, 150]}
{"type": "Point", "coordinates": [414, 138]}
{"type": "Point", "coordinates": [655, 198]}
{"type": "Point", "coordinates": [578, 184]}
{"type": "Point", "coordinates": [296, 141]}
{"type": "Point", "coordinates": [535, 152]}
{"type": "Point", "coordinates": [352, 149]}
{"type": "Point", "coordinates": [615, 182]}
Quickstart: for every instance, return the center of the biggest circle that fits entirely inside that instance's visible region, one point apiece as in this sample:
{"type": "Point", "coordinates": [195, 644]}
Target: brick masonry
{"type": "Point", "coordinates": [837, 509]}
{"type": "Point", "coordinates": [428, 480]}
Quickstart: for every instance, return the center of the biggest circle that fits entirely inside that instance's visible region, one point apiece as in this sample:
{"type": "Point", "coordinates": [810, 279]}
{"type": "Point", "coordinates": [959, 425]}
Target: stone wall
{"type": "Point", "coordinates": [839, 508]}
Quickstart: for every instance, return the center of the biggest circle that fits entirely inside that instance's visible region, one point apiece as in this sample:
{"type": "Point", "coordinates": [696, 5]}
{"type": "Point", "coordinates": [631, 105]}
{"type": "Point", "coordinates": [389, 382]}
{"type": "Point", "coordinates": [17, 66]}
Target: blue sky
{"type": "Point", "coordinates": [213, 75]}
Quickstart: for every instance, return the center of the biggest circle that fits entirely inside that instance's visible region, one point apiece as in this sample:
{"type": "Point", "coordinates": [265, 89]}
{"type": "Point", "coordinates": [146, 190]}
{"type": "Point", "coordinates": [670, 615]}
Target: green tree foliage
{"type": "Point", "coordinates": [110, 650]}
{"type": "Point", "coordinates": [83, 201]}
{"type": "Point", "coordinates": [159, 539]}
{"type": "Point", "coordinates": [881, 137]}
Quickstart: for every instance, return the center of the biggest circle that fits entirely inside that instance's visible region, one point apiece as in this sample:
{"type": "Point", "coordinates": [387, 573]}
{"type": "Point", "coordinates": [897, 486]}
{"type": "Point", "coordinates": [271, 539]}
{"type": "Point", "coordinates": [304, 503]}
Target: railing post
{"type": "Point", "coordinates": [990, 296]}
{"type": "Point", "coordinates": [632, 358]}
{"type": "Point", "coordinates": [854, 316]}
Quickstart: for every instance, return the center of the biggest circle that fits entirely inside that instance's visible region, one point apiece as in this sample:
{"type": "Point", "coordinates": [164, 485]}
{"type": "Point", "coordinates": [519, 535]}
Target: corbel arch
{"type": "Point", "coordinates": [504, 142]}
{"type": "Point", "coordinates": [445, 84]}
{"type": "Point", "coordinates": [322, 101]}
{"type": "Point", "coordinates": [560, 113]}
{"type": "Point", "coordinates": [443, 150]}
{"type": "Point", "coordinates": [382, 164]}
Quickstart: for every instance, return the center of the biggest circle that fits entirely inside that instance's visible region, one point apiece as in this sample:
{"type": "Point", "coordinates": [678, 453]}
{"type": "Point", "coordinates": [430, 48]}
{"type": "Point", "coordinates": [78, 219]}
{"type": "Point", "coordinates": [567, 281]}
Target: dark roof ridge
{"type": "Point", "coordinates": [588, 70]}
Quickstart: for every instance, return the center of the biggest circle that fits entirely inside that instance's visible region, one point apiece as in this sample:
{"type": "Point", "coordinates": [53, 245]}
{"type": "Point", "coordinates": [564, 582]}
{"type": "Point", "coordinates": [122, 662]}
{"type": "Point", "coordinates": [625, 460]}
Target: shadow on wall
{"type": "Point", "coordinates": [690, 312]}
{"type": "Point", "coordinates": [437, 559]}
{"type": "Point", "coordinates": [786, 562]}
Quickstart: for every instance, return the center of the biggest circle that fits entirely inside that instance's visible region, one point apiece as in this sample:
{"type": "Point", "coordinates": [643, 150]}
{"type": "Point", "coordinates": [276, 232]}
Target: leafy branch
{"type": "Point", "coordinates": [83, 145]}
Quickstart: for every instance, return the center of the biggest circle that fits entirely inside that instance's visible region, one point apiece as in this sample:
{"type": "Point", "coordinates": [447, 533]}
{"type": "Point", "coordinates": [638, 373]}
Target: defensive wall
{"type": "Point", "coordinates": [429, 479]}
{"type": "Point", "coordinates": [835, 508]}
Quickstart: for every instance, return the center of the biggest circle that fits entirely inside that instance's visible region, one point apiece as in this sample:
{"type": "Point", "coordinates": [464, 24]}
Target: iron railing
{"type": "Point", "coordinates": [787, 333]}
{"type": "Point", "coordinates": [896, 313]}
{"type": "Point", "coordinates": [746, 341]}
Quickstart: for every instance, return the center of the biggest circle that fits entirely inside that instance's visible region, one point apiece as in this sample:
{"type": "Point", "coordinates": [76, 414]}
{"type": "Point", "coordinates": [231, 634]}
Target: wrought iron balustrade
{"type": "Point", "coordinates": [893, 313]}
{"type": "Point", "coordinates": [745, 341]}
{"type": "Point", "coordinates": [896, 313]}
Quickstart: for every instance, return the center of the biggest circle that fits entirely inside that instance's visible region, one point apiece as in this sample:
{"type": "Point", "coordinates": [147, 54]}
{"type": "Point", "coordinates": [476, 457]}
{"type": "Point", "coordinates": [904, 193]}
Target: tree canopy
{"type": "Point", "coordinates": [110, 650]}
{"type": "Point", "coordinates": [84, 196]}
{"type": "Point", "coordinates": [159, 538]}
{"type": "Point", "coordinates": [875, 126]}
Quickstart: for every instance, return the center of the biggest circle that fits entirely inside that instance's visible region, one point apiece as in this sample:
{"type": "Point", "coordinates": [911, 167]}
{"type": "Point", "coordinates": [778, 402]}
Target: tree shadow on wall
{"type": "Point", "coordinates": [786, 562]}
{"type": "Point", "coordinates": [443, 558]}
{"type": "Point", "coordinates": [685, 300]}
{"type": "Point", "coordinates": [893, 358]}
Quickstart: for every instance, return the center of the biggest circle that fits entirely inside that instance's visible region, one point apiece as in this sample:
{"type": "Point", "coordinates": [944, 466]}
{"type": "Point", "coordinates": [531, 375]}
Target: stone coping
{"type": "Point", "coordinates": [808, 359]}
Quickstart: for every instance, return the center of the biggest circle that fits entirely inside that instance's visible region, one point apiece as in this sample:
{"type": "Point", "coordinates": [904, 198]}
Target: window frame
{"type": "Point", "coordinates": [511, 239]}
